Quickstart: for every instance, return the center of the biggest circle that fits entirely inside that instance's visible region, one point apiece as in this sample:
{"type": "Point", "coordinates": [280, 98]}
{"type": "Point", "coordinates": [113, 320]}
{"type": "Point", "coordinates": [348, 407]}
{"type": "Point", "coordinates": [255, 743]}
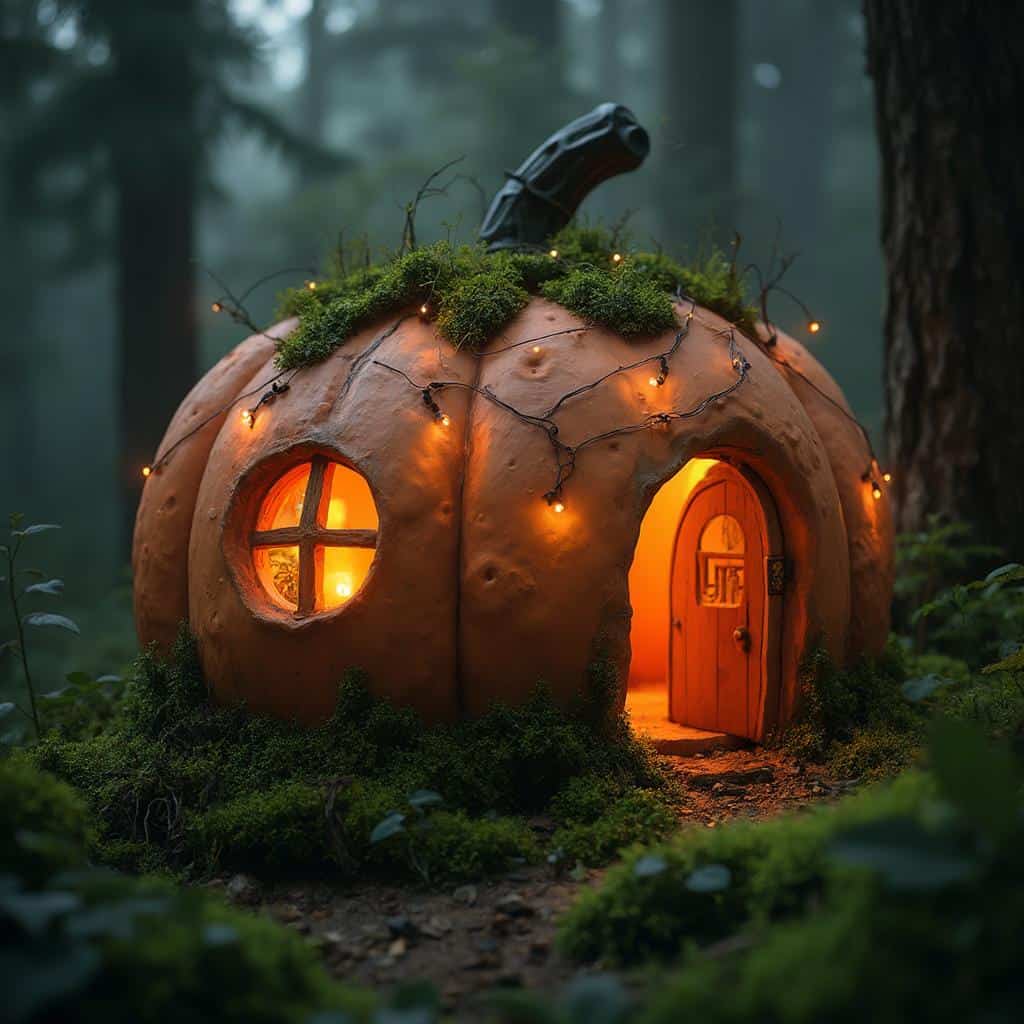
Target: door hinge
{"type": "Point", "coordinates": [775, 571]}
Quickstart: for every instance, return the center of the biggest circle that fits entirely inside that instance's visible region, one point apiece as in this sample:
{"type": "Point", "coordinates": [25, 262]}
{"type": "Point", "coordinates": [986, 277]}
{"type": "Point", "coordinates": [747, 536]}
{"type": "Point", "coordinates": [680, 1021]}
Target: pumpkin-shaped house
{"type": "Point", "coordinates": [469, 471]}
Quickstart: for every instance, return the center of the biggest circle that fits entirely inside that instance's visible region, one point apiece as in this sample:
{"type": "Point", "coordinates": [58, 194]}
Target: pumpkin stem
{"type": "Point", "coordinates": [543, 193]}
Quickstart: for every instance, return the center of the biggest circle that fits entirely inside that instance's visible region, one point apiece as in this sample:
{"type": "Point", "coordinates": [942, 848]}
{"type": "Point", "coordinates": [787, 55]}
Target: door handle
{"type": "Point", "coordinates": [742, 637]}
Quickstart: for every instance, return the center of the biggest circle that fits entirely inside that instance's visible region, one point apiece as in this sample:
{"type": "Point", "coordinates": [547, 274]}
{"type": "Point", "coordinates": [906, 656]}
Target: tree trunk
{"type": "Point", "coordinates": [949, 82]}
{"type": "Point", "coordinates": [314, 86]}
{"type": "Point", "coordinates": [157, 331]}
{"type": "Point", "coordinates": [697, 161]}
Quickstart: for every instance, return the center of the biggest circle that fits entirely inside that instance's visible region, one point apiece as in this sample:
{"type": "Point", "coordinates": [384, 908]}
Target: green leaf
{"type": "Point", "coordinates": [79, 678]}
{"type": "Point", "coordinates": [35, 910]}
{"type": "Point", "coordinates": [1014, 570]}
{"type": "Point", "coordinates": [904, 854]}
{"type": "Point", "coordinates": [424, 798]}
{"type": "Point", "coordinates": [49, 619]}
{"type": "Point", "coordinates": [392, 825]}
{"type": "Point", "coordinates": [595, 999]}
{"type": "Point", "coordinates": [920, 687]}
{"type": "Point", "coordinates": [47, 587]}
{"type": "Point", "coordinates": [1011, 663]}
{"type": "Point", "coordinates": [976, 775]}
{"type": "Point", "coordinates": [219, 934]}
{"type": "Point", "coordinates": [649, 865]}
{"type": "Point", "coordinates": [710, 878]}
{"type": "Point", "coordinates": [30, 531]}
{"type": "Point", "coordinates": [44, 976]}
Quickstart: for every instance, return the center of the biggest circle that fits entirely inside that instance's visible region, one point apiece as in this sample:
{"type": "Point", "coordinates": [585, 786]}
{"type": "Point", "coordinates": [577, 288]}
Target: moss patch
{"type": "Point", "coordinates": [176, 782]}
{"type": "Point", "coordinates": [475, 294]}
{"type": "Point", "coordinates": [652, 904]}
{"type": "Point", "coordinates": [855, 720]}
{"type": "Point", "coordinates": [43, 822]}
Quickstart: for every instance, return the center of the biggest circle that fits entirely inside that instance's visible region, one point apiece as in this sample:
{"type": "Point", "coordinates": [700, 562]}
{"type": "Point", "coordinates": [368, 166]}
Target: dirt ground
{"type": "Point", "coordinates": [471, 938]}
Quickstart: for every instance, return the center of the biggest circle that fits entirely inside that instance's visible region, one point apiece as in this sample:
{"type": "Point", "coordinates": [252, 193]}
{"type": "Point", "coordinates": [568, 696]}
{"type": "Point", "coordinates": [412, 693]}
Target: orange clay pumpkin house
{"type": "Point", "coordinates": [473, 469]}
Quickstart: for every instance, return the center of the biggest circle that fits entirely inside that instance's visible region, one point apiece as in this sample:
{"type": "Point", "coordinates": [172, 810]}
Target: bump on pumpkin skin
{"type": "Point", "coordinates": [476, 294]}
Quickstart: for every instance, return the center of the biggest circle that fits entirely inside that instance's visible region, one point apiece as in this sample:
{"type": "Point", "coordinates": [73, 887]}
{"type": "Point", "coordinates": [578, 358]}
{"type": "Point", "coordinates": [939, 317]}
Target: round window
{"type": "Point", "coordinates": [315, 537]}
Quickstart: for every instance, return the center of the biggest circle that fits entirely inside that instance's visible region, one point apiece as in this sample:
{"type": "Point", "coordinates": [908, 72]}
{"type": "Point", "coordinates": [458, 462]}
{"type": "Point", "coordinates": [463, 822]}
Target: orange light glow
{"type": "Point", "coordinates": [876, 492]}
{"type": "Point", "coordinates": [814, 326]}
{"type": "Point", "coordinates": [650, 576]}
{"type": "Point", "coordinates": [445, 420]}
{"type": "Point", "coordinates": [282, 506]}
{"type": "Point", "coordinates": [887, 477]}
{"type": "Point", "coordinates": [553, 254]}
{"type": "Point", "coordinates": [424, 309]}
{"type": "Point", "coordinates": [248, 418]}
{"type": "Point", "coordinates": [311, 285]}
{"type": "Point", "coordinates": [340, 562]}
{"type": "Point", "coordinates": [536, 350]}
{"type": "Point", "coordinates": [216, 307]}
{"type": "Point", "coordinates": [654, 382]}
{"type": "Point", "coordinates": [617, 257]}
{"type": "Point", "coordinates": [558, 506]}
{"type": "Point", "coordinates": [146, 470]}
{"type": "Point", "coordinates": [344, 570]}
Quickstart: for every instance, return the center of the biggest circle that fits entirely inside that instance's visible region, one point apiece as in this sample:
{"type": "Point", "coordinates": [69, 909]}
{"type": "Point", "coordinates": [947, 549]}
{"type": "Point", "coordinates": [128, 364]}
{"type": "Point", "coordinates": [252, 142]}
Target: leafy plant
{"type": "Point", "coordinates": [16, 594]}
{"type": "Point", "coordinates": [929, 560]}
{"type": "Point", "coordinates": [410, 828]}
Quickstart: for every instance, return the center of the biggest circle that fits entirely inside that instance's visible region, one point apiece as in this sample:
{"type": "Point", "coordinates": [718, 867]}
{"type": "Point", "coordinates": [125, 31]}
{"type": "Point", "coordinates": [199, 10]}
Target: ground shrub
{"type": "Point", "coordinates": [176, 782]}
{"type": "Point", "coordinates": [662, 897]}
{"type": "Point", "coordinates": [43, 822]}
{"type": "Point", "coordinates": [921, 924]}
{"type": "Point", "coordinates": [96, 947]}
{"type": "Point", "coordinates": [640, 816]}
{"type": "Point", "coordinates": [857, 720]}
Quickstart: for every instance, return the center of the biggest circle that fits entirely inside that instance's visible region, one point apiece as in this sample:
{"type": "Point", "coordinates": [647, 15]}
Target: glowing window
{"type": "Point", "coordinates": [720, 563]}
{"type": "Point", "coordinates": [315, 537]}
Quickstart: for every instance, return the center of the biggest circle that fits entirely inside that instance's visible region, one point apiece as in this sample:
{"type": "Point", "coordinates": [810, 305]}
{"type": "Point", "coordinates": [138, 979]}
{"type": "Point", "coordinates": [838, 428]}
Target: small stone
{"type": "Point", "coordinates": [514, 905]}
{"type": "Point", "coordinates": [242, 889]}
{"type": "Point", "coordinates": [400, 925]}
{"type": "Point", "coordinates": [436, 927]}
{"type": "Point", "coordinates": [332, 938]}
{"type": "Point", "coordinates": [465, 894]}
{"type": "Point", "coordinates": [287, 912]}
{"type": "Point", "coordinates": [398, 947]}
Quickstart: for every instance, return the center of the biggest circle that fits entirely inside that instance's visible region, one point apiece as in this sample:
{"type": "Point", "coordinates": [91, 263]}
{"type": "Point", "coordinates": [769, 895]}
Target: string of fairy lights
{"type": "Point", "coordinates": [565, 454]}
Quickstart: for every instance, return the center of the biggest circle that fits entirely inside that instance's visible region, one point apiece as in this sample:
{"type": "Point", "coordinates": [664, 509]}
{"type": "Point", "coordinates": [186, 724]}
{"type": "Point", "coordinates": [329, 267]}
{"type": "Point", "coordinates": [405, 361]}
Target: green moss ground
{"type": "Point", "coordinates": [177, 784]}
{"type": "Point", "coordinates": [474, 294]}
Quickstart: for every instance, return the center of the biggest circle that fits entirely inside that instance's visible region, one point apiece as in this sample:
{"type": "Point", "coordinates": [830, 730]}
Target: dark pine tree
{"type": "Point", "coordinates": [149, 116]}
{"type": "Point", "coordinates": [949, 84]}
{"type": "Point", "coordinates": [697, 125]}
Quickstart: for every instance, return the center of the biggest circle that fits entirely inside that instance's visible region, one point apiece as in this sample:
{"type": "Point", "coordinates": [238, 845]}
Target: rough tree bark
{"type": "Point", "coordinates": [949, 85]}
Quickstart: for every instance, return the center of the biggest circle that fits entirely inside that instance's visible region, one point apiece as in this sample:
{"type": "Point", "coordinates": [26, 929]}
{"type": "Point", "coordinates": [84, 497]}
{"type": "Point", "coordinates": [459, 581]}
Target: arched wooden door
{"type": "Point", "coordinates": [724, 633]}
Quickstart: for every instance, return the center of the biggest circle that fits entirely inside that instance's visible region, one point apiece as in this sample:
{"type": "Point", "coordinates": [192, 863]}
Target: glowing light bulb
{"type": "Point", "coordinates": [446, 420]}
{"type": "Point", "coordinates": [553, 254]}
{"type": "Point", "coordinates": [311, 285]}
{"type": "Point", "coordinates": [653, 381]}
{"type": "Point", "coordinates": [248, 418]}
{"type": "Point", "coordinates": [876, 491]}
{"type": "Point", "coordinates": [536, 350]}
{"type": "Point", "coordinates": [216, 307]}
{"type": "Point", "coordinates": [616, 257]}
{"type": "Point", "coordinates": [343, 589]}
{"type": "Point", "coordinates": [424, 309]}
{"type": "Point", "coordinates": [558, 506]}
{"type": "Point", "coordinates": [146, 470]}
{"type": "Point", "coordinates": [887, 477]}
{"type": "Point", "coordinates": [814, 326]}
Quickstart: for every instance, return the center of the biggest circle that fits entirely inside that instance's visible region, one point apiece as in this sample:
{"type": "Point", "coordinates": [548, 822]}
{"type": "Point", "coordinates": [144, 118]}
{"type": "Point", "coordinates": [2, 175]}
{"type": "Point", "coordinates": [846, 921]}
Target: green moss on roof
{"type": "Point", "coordinates": [475, 294]}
